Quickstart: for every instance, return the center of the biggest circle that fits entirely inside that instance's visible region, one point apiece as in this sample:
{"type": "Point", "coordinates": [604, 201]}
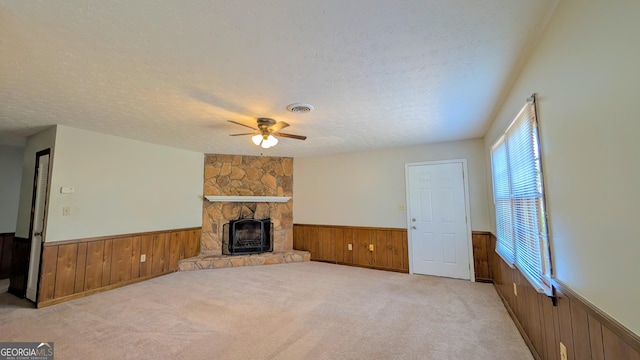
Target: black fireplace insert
{"type": "Point", "coordinates": [249, 236]}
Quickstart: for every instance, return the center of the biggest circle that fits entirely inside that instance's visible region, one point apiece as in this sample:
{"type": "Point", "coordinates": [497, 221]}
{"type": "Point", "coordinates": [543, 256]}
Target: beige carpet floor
{"type": "Point", "coordinates": [290, 311]}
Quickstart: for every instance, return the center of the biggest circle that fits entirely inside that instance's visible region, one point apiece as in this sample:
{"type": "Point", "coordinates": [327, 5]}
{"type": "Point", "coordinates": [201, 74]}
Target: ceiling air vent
{"type": "Point", "coordinates": [300, 108]}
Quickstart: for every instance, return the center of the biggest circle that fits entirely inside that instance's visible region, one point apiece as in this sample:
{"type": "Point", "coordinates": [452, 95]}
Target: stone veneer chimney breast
{"type": "Point", "coordinates": [232, 175]}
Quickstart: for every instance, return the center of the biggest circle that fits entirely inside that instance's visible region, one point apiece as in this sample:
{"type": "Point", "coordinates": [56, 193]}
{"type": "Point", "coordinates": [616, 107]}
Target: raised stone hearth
{"type": "Point", "coordinates": [224, 261]}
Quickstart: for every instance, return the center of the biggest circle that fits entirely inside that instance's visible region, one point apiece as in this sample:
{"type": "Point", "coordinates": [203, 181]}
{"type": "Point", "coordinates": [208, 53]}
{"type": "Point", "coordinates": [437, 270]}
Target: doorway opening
{"type": "Point", "coordinates": [438, 217]}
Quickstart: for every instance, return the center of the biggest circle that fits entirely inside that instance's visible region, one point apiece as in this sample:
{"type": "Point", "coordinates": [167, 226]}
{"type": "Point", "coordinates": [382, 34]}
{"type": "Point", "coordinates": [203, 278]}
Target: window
{"type": "Point", "coordinates": [521, 222]}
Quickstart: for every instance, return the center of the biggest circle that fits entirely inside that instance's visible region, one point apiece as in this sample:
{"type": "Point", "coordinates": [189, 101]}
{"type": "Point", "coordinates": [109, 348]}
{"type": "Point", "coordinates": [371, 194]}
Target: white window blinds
{"type": "Point", "coordinates": [502, 200]}
{"type": "Point", "coordinates": [519, 198]}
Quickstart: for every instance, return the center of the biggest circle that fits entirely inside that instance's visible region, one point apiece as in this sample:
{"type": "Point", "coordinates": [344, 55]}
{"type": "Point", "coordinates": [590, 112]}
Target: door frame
{"type": "Point", "coordinates": [38, 275]}
{"type": "Point", "coordinates": [465, 182]}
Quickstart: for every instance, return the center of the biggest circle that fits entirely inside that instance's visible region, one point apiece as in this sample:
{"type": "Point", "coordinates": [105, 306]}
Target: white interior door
{"type": "Point", "coordinates": [439, 236]}
{"type": "Point", "coordinates": [39, 213]}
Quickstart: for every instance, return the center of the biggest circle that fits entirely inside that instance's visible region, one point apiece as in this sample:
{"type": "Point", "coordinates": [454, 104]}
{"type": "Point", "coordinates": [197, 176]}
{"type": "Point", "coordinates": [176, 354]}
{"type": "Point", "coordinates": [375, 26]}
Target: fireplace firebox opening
{"type": "Point", "coordinates": [248, 236]}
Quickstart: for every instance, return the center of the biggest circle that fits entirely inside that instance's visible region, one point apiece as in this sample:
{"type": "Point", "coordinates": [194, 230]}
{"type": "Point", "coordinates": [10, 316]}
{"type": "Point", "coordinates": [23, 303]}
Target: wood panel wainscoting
{"type": "Point", "coordinates": [6, 246]}
{"type": "Point", "coordinates": [481, 244]}
{"type": "Point", "coordinates": [586, 331]}
{"type": "Point", "coordinates": [20, 253]}
{"type": "Point", "coordinates": [73, 269]}
{"type": "Point", "coordinates": [330, 243]}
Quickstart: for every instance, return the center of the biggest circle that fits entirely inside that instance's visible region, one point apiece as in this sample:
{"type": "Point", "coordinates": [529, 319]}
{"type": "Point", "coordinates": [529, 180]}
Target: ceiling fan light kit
{"type": "Point", "coordinates": [264, 141]}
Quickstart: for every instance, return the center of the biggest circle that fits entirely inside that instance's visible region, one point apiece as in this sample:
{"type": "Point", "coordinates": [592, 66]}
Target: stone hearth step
{"type": "Point", "coordinates": [223, 261]}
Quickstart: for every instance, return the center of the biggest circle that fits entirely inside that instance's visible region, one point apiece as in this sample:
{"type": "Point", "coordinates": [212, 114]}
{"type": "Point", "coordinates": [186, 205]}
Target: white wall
{"type": "Point", "coordinates": [11, 158]}
{"type": "Point", "coordinates": [37, 142]}
{"type": "Point", "coordinates": [585, 70]}
{"type": "Point", "coordinates": [365, 188]}
{"type": "Point", "coordinates": [121, 186]}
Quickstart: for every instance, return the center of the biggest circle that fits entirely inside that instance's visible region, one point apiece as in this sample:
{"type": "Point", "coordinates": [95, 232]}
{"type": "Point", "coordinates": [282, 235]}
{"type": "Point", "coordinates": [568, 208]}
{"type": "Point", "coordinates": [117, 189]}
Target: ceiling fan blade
{"type": "Point", "coordinates": [242, 134]}
{"type": "Point", "coordinates": [241, 124]}
{"type": "Point", "coordinates": [297, 137]}
{"type": "Point", "coordinates": [278, 126]}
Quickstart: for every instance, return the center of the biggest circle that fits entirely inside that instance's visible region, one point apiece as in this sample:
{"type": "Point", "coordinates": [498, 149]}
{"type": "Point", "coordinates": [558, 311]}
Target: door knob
{"type": "Point", "coordinates": [38, 234]}
{"type": "Point", "coordinates": [413, 227]}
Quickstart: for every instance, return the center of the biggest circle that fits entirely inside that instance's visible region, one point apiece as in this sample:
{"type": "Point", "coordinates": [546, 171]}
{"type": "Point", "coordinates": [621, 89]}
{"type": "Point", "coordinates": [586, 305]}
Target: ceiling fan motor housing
{"type": "Point", "coordinates": [265, 122]}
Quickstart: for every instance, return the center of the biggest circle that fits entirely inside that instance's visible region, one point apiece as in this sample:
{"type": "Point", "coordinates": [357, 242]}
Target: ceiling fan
{"type": "Point", "coordinates": [267, 131]}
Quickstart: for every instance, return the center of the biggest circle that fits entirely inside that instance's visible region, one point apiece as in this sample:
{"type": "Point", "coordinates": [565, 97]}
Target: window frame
{"type": "Point", "coordinates": [517, 236]}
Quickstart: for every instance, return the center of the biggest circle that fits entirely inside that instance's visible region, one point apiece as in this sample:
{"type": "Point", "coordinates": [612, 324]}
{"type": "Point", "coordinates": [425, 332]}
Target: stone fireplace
{"type": "Point", "coordinates": [238, 188]}
{"type": "Point", "coordinates": [238, 175]}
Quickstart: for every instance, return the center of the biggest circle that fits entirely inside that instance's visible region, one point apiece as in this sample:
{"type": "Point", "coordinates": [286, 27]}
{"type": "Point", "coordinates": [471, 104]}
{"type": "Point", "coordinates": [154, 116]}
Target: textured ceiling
{"type": "Point", "coordinates": [380, 73]}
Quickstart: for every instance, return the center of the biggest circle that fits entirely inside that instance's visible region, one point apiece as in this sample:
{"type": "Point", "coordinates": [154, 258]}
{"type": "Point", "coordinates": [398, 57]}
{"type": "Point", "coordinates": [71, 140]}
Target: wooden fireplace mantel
{"type": "Point", "coordinates": [248, 198]}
